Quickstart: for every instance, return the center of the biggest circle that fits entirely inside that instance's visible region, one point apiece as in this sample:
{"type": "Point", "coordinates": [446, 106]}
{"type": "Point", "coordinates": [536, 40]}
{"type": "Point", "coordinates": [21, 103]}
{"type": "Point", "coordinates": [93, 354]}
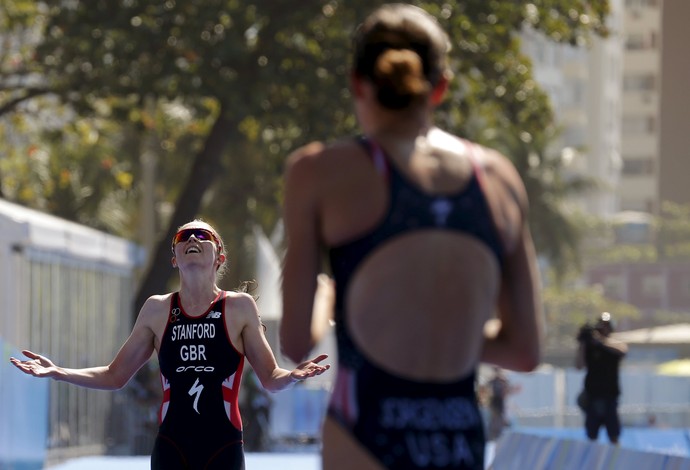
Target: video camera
{"type": "Point", "coordinates": [585, 334]}
{"type": "Point", "coordinates": [603, 326]}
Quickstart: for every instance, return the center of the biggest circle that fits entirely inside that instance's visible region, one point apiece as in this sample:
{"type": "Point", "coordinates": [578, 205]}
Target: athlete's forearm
{"type": "Point", "coordinates": [324, 305]}
{"type": "Point", "coordinates": [101, 377]}
{"type": "Point", "coordinates": [510, 350]}
{"type": "Point", "coordinates": [280, 380]}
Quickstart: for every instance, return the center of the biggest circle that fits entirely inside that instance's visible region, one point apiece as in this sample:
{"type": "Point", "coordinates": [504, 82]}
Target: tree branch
{"type": "Point", "coordinates": [13, 103]}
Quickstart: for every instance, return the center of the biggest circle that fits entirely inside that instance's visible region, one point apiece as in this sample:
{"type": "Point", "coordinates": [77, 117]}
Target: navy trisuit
{"type": "Point", "coordinates": [407, 424]}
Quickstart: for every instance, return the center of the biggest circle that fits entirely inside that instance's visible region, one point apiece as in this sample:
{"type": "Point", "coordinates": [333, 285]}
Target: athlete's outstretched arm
{"type": "Point", "coordinates": [261, 357]}
{"type": "Point", "coordinates": [132, 355]}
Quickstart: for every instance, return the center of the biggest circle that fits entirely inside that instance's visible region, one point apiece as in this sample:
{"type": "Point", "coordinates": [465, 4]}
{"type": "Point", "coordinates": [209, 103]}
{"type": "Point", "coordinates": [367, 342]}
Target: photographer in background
{"type": "Point", "coordinates": [601, 355]}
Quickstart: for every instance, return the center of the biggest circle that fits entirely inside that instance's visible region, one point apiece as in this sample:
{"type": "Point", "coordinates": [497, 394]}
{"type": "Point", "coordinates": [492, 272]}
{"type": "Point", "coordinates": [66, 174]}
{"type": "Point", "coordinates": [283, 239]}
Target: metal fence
{"type": "Point", "coordinates": [66, 293]}
{"type": "Point", "coordinates": [78, 314]}
{"type": "Point", "coordinates": [547, 398]}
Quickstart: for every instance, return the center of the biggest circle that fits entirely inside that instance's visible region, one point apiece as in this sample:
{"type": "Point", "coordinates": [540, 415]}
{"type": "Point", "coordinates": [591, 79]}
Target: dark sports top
{"type": "Point", "coordinates": [410, 209]}
{"type": "Point", "coordinates": [200, 372]}
{"type": "Point", "coordinates": [603, 370]}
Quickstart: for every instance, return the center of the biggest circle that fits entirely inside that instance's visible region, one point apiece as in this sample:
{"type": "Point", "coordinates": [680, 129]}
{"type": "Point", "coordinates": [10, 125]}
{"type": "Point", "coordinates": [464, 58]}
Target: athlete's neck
{"type": "Point", "coordinates": [196, 300]}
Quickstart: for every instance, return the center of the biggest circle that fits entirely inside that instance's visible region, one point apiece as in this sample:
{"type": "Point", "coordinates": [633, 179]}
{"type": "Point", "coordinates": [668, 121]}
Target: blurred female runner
{"type": "Point", "coordinates": [427, 239]}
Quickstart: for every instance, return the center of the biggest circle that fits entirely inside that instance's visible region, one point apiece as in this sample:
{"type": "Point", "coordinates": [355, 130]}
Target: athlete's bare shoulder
{"type": "Point", "coordinates": [238, 296]}
{"type": "Point", "coordinates": [311, 172]}
{"type": "Point", "coordinates": [500, 169]}
{"type": "Point", "coordinates": [496, 165]}
{"type": "Point", "coordinates": [307, 152]}
{"type": "Point", "coordinates": [155, 307]}
{"type": "Point", "coordinates": [240, 303]}
{"type": "Point", "coordinates": [241, 311]}
{"type": "Point", "coordinates": [445, 142]}
{"type": "Point", "coordinates": [158, 300]}
{"type": "Point", "coordinates": [320, 153]}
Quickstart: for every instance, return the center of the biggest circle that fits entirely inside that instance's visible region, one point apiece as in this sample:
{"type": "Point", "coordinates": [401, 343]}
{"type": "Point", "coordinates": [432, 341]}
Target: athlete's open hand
{"type": "Point", "coordinates": [38, 366]}
{"type": "Point", "coordinates": [310, 368]}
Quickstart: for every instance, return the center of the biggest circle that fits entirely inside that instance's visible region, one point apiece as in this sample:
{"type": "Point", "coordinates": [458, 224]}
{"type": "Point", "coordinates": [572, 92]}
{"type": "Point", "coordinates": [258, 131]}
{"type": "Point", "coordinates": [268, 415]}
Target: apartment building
{"type": "Point", "coordinates": [674, 168]}
{"type": "Point", "coordinates": [583, 84]}
{"type": "Point", "coordinates": [608, 100]}
{"type": "Point", "coordinates": [640, 125]}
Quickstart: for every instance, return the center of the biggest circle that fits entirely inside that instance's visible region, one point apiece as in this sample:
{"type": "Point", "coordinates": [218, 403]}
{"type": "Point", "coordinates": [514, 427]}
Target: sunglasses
{"type": "Point", "coordinates": [199, 233]}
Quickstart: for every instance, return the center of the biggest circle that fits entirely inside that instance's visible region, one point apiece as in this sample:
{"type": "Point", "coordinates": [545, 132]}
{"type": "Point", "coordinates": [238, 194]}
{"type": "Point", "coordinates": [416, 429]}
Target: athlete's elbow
{"type": "Point", "coordinates": [528, 359]}
{"type": "Point", "coordinates": [294, 351]}
{"type": "Point", "coordinates": [528, 349]}
{"type": "Point", "coordinates": [528, 364]}
{"type": "Point", "coordinates": [294, 346]}
{"type": "Point", "coordinates": [116, 381]}
{"type": "Point", "coordinates": [115, 384]}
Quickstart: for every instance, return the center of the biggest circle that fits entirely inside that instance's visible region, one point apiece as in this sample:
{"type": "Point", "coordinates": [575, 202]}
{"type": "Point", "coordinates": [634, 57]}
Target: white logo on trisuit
{"type": "Point", "coordinates": [196, 390]}
{"type": "Point", "coordinates": [441, 208]}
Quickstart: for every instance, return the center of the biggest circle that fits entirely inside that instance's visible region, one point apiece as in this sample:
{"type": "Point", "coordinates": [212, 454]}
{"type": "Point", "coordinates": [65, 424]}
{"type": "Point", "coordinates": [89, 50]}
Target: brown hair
{"type": "Point", "coordinates": [403, 51]}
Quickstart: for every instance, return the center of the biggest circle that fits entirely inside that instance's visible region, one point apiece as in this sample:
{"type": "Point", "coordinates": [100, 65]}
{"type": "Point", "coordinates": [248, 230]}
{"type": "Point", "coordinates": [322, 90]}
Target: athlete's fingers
{"type": "Point", "coordinates": [18, 362]}
{"type": "Point", "coordinates": [302, 374]}
{"type": "Point", "coordinates": [30, 354]}
{"type": "Point", "coordinates": [24, 366]}
{"type": "Point", "coordinates": [319, 358]}
{"type": "Point", "coordinates": [42, 360]}
{"type": "Point", "coordinates": [317, 370]}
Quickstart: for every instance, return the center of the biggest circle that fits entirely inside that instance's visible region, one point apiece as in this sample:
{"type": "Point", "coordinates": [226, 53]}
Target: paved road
{"type": "Point", "coordinates": [254, 462]}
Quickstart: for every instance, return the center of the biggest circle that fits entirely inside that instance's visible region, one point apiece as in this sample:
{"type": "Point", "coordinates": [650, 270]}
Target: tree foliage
{"type": "Point", "coordinates": [258, 79]}
{"type": "Point", "coordinates": [567, 309]}
{"type": "Point", "coordinates": [664, 238]}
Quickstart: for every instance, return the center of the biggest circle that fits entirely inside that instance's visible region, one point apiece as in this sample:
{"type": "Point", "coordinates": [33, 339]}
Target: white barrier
{"type": "Point", "coordinates": [547, 398]}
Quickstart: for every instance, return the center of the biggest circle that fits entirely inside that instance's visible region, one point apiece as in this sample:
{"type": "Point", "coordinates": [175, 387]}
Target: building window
{"type": "Point", "coordinates": [638, 166]}
{"type": "Point", "coordinates": [641, 3]}
{"type": "Point", "coordinates": [643, 82]}
{"type": "Point", "coordinates": [574, 136]}
{"type": "Point", "coordinates": [638, 125]}
{"type": "Point", "coordinates": [574, 92]}
{"type": "Point", "coordinates": [635, 42]}
{"type": "Point", "coordinates": [614, 286]}
{"type": "Point", "coordinates": [685, 287]}
{"type": "Point", "coordinates": [641, 41]}
{"type": "Point", "coordinates": [653, 286]}
{"type": "Point", "coordinates": [634, 205]}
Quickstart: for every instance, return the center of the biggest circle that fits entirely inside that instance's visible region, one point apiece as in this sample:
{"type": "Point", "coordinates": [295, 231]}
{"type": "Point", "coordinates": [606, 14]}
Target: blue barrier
{"type": "Point", "coordinates": [659, 440]}
{"type": "Point", "coordinates": [568, 449]}
{"type": "Point", "coordinates": [23, 416]}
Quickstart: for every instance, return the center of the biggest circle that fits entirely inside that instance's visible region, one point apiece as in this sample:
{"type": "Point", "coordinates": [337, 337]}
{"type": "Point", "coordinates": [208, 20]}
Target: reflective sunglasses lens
{"type": "Point", "coordinates": [204, 235]}
{"type": "Point", "coordinates": [200, 234]}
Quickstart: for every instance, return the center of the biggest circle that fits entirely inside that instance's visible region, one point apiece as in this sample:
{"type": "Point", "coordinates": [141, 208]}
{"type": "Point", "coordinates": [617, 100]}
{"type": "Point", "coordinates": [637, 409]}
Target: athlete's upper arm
{"type": "Point", "coordinates": [139, 346]}
{"type": "Point", "coordinates": [256, 347]}
{"type": "Point", "coordinates": [520, 310]}
{"type": "Point", "coordinates": [520, 307]}
{"type": "Point", "coordinates": [302, 260]}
